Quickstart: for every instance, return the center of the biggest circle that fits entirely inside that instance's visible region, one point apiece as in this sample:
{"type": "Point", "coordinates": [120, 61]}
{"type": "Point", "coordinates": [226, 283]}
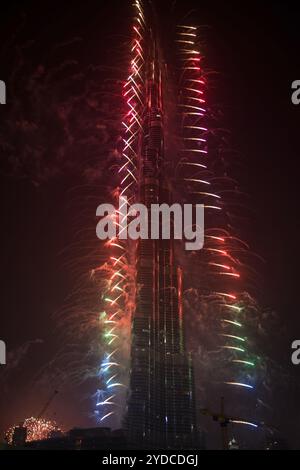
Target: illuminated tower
{"type": "Point", "coordinates": [166, 132]}
{"type": "Point", "coordinates": [161, 408]}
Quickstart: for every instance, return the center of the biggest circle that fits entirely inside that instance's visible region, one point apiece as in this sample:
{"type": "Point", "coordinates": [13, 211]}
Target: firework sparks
{"type": "Point", "coordinates": [223, 269]}
{"type": "Point", "coordinates": [218, 258]}
{"type": "Point", "coordinates": [37, 430]}
{"type": "Point", "coordinates": [120, 293]}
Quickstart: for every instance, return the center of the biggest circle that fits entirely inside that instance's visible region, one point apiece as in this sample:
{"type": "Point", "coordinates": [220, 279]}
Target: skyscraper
{"type": "Point", "coordinates": [161, 407]}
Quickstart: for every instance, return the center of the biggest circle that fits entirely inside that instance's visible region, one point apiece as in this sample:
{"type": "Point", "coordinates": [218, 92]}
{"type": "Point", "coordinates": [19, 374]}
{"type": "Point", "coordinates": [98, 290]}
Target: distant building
{"type": "Point", "coordinates": [19, 436]}
{"type": "Point", "coordinates": [83, 439]}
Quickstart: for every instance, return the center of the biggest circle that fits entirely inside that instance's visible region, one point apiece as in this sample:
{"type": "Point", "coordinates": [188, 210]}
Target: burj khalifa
{"type": "Point", "coordinates": [161, 404]}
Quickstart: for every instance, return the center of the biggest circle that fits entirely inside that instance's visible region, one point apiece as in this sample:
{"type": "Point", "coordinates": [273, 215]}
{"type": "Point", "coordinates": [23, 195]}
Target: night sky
{"type": "Point", "coordinates": [48, 160]}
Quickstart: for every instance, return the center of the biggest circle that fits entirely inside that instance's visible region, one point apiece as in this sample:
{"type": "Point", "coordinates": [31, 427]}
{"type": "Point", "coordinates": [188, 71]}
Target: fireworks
{"type": "Point", "coordinates": [37, 430]}
{"type": "Point", "coordinates": [223, 280]}
{"type": "Point", "coordinates": [120, 293]}
{"type": "Point", "coordinates": [219, 265]}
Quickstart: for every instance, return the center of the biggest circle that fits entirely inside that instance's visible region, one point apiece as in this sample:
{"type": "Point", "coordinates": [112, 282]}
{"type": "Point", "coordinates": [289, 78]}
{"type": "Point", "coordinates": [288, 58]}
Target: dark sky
{"type": "Point", "coordinates": [254, 48]}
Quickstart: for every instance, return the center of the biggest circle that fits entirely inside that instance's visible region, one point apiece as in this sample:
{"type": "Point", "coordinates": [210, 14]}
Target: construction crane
{"type": "Point", "coordinates": [225, 420]}
{"type": "Point", "coordinates": [48, 403]}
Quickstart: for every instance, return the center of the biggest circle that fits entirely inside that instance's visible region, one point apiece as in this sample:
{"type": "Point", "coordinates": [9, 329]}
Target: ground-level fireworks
{"type": "Point", "coordinates": [35, 430]}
